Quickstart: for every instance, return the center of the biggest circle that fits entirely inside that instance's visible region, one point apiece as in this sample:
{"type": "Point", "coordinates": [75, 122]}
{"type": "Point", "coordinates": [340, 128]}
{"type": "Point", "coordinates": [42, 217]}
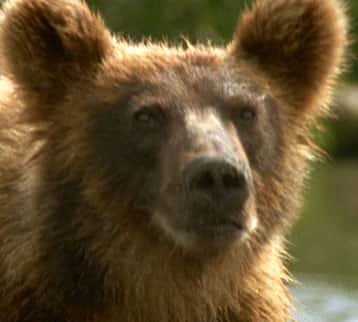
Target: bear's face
{"type": "Point", "coordinates": [194, 147]}
{"type": "Point", "coordinates": [187, 141]}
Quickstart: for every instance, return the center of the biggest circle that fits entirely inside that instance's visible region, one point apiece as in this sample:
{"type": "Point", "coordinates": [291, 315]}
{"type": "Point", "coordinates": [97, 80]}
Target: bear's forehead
{"type": "Point", "coordinates": [205, 83]}
{"type": "Point", "coordinates": [196, 67]}
{"type": "Point", "coordinates": [179, 78]}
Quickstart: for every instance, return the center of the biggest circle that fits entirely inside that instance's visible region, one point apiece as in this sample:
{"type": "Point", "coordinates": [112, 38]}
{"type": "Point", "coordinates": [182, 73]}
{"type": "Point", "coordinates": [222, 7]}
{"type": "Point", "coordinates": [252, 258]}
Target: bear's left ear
{"type": "Point", "coordinates": [46, 44]}
{"type": "Point", "coordinates": [298, 44]}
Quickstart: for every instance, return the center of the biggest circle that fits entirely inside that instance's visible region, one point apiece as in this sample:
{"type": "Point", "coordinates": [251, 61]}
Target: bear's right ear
{"type": "Point", "coordinates": [46, 44]}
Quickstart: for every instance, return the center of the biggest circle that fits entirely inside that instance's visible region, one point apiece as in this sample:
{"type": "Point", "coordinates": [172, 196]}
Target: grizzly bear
{"type": "Point", "coordinates": [146, 183]}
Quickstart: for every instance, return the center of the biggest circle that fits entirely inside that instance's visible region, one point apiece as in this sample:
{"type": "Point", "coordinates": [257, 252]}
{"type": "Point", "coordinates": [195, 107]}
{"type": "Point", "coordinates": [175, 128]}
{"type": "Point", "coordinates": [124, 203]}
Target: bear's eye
{"type": "Point", "coordinates": [247, 114]}
{"type": "Point", "coordinates": [148, 117]}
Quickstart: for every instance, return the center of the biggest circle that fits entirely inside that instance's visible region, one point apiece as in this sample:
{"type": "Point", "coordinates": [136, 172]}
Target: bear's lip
{"type": "Point", "coordinates": [221, 225]}
{"type": "Point", "coordinates": [227, 229]}
{"type": "Point", "coordinates": [213, 239]}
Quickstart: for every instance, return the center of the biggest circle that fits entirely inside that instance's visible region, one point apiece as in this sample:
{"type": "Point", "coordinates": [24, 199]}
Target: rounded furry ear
{"type": "Point", "coordinates": [299, 44]}
{"type": "Point", "coordinates": [46, 44]}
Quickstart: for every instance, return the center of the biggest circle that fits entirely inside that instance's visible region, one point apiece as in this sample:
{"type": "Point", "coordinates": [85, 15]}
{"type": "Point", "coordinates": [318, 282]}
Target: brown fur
{"type": "Point", "coordinates": [72, 247]}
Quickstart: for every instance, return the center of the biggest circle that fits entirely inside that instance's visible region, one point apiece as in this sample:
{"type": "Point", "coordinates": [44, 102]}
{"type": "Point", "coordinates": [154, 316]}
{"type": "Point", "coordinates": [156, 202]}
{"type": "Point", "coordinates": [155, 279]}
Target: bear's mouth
{"type": "Point", "coordinates": [206, 235]}
{"type": "Point", "coordinates": [220, 233]}
{"type": "Point", "coordinates": [224, 227]}
{"type": "Point", "coordinates": [212, 225]}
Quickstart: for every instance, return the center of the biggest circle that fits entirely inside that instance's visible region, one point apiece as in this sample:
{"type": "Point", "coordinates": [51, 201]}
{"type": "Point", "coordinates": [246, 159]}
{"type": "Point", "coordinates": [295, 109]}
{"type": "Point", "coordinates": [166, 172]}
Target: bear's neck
{"type": "Point", "coordinates": [166, 289]}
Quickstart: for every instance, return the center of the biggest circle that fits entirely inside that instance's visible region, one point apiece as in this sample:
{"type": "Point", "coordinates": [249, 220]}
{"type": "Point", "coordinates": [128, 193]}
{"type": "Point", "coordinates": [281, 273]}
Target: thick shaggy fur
{"type": "Point", "coordinates": [72, 248]}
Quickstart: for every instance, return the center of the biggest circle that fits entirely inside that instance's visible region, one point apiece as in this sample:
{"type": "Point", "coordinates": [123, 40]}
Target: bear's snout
{"type": "Point", "coordinates": [216, 184]}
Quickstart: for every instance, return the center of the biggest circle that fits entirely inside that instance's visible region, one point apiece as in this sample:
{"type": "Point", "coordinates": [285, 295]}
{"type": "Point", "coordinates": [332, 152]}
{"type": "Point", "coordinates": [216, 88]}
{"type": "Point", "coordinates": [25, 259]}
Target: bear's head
{"type": "Point", "coordinates": [191, 151]}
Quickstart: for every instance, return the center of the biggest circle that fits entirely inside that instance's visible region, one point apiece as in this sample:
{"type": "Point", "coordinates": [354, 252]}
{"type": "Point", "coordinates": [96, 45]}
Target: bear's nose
{"type": "Point", "coordinates": [217, 183]}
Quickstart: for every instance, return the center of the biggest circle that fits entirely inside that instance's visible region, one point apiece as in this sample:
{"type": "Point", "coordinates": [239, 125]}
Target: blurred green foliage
{"type": "Point", "coordinates": [170, 19]}
{"type": "Point", "coordinates": [340, 138]}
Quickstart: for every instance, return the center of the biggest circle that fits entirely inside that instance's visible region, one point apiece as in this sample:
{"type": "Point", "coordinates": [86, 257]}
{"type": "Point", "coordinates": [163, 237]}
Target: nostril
{"type": "Point", "coordinates": [205, 181]}
{"type": "Point", "coordinates": [233, 180]}
{"type": "Point", "coordinates": [215, 177]}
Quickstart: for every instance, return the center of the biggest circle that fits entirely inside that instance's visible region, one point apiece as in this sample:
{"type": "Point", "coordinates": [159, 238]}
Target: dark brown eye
{"type": "Point", "coordinates": [148, 117]}
{"type": "Point", "coordinates": [247, 114]}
